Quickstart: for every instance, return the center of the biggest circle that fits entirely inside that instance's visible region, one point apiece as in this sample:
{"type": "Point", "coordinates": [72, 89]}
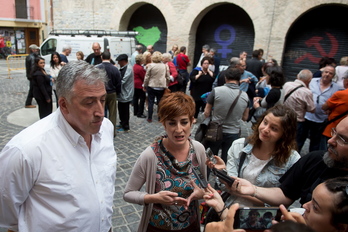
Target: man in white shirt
{"type": "Point", "coordinates": [58, 174]}
{"type": "Point", "coordinates": [138, 50]}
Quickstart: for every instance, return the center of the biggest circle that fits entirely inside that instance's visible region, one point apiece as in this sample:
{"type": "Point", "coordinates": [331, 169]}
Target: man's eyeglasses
{"type": "Point", "coordinates": [339, 140]}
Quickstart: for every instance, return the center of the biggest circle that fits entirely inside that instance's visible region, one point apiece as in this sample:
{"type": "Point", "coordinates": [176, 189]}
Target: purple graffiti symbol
{"type": "Point", "coordinates": [224, 43]}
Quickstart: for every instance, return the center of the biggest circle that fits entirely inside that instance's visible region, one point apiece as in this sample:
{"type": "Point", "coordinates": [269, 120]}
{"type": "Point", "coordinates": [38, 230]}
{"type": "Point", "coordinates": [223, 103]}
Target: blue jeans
{"type": "Point", "coordinates": [224, 144]}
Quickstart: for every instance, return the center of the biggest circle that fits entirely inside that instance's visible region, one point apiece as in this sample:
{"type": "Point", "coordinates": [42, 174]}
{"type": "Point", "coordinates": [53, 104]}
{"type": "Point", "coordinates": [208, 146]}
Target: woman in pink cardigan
{"type": "Point", "coordinates": [165, 167]}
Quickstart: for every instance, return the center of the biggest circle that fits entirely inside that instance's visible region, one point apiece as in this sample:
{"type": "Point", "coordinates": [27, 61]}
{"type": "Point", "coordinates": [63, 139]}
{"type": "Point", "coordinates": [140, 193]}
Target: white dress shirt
{"type": "Point", "coordinates": [51, 181]}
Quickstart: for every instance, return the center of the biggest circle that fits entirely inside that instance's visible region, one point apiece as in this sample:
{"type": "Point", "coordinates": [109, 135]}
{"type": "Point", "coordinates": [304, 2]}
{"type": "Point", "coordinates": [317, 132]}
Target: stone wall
{"type": "Point", "coordinates": [272, 19]}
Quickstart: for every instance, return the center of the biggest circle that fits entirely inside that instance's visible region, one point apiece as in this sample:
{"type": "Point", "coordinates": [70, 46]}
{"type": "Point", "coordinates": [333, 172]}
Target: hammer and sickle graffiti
{"type": "Point", "coordinates": [314, 41]}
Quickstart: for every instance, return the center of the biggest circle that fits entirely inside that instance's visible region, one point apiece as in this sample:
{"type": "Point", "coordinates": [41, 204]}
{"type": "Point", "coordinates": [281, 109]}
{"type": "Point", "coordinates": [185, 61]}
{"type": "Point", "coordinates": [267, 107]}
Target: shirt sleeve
{"type": "Point", "coordinates": [17, 177]}
{"type": "Point", "coordinates": [334, 100]}
{"type": "Point", "coordinates": [211, 97]}
{"type": "Point", "coordinates": [296, 182]}
{"type": "Point", "coordinates": [271, 98]}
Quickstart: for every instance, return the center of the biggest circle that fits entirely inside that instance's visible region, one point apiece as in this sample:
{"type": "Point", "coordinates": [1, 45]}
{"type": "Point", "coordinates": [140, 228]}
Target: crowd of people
{"type": "Point", "coordinates": [59, 173]}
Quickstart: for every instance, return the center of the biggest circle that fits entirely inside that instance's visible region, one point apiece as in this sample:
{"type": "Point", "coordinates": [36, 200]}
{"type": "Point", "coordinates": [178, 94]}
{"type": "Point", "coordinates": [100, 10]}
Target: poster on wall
{"type": "Point", "coordinates": [150, 24]}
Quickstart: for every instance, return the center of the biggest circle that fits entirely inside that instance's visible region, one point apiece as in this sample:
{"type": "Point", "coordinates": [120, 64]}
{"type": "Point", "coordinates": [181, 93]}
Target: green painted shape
{"type": "Point", "coordinates": [147, 36]}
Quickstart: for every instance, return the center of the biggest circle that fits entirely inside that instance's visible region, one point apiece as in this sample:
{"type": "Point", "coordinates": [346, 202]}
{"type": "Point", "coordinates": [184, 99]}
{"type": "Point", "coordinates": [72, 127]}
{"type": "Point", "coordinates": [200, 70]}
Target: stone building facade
{"type": "Point", "coordinates": [277, 26]}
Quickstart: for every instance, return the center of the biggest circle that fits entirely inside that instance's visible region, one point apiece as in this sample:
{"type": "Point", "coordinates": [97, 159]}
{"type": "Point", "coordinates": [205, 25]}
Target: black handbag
{"type": "Point", "coordinates": [214, 130]}
{"type": "Point", "coordinates": [180, 78]}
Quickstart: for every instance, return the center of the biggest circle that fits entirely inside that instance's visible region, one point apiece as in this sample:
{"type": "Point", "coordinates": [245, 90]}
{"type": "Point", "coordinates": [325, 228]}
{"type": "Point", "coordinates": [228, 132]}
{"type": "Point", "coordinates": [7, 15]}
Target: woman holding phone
{"type": "Point", "coordinates": [269, 152]}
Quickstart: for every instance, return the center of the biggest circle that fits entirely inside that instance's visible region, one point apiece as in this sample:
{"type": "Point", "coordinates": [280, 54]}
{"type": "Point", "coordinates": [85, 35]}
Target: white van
{"type": "Point", "coordinates": [117, 42]}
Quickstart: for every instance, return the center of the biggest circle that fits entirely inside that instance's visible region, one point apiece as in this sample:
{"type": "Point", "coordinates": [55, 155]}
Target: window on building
{"type": "Point", "coordinates": [21, 9]}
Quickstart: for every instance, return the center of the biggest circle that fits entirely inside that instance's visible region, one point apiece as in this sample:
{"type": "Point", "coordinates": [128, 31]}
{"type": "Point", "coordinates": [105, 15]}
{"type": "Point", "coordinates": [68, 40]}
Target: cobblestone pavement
{"type": "Point", "coordinates": [128, 145]}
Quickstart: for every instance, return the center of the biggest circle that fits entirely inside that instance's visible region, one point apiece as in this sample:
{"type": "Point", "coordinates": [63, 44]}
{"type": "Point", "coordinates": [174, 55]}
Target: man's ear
{"type": "Point", "coordinates": [63, 105]}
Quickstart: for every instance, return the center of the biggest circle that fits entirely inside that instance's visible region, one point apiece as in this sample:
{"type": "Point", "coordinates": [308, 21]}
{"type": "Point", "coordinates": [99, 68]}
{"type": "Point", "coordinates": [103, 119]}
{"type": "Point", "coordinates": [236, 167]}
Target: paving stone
{"type": "Point", "coordinates": [128, 146]}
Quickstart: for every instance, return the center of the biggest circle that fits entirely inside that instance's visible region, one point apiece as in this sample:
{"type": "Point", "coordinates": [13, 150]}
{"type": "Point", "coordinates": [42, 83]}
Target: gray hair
{"type": "Point", "coordinates": [345, 75]}
{"type": "Point", "coordinates": [212, 50]}
{"type": "Point", "coordinates": [234, 61]}
{"type": "Point", "coordinates": [206, 47]}
{"type": "Point", "coordinates": [167, 56]}
{"type": "Point", "coordinates": [66, 47]}
{"type": "Point", "coordinates": [139, 58]}
{"type": "Point", "coordinates": [139, 47]}
{"type": "Point", "coordinates": [75, 71]}
{"type": "Point", "coordinates": [305, 75]}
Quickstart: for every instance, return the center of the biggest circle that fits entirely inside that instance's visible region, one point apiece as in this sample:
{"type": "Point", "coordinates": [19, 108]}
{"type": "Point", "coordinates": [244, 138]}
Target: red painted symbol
{"type": "Point", "coordinates": [314, 41]}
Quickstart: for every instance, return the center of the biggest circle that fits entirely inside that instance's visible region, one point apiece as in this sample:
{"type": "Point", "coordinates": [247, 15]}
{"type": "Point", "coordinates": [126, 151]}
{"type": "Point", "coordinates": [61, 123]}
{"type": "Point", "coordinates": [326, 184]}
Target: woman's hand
{"type": "Point", "coordinates": [197, 194]}
{"type": "Point", "coordinates": [220, 164]}
{"type": "Point", "coordinates": [198, 75]}
{"type": "Point", "coordinates": [210, 73]}
{"type": "Point", "coordinates": [257, 102]}
{"type": "Point", "coordinates": [48, 100]}
{"type": "Point", "coordinates": [213, 198]}
{"type": "Point", "coordinates": [226, 225]}
{"type": "Point", "coordinates": [290, 216]}
{"type": "Point", "coordinates": [165, 198]}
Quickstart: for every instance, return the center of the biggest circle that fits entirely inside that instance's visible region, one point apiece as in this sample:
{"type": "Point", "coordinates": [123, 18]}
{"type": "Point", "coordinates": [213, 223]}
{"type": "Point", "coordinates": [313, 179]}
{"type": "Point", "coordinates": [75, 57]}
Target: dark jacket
{"type": "Point", "coordinates": [42, 89]}
{"type": "Point", "coordinates": [114, 78]}
{"type": "Point", "coordinates": [29, 63]}
{"type": "Point", "coordinates": [254, 66]}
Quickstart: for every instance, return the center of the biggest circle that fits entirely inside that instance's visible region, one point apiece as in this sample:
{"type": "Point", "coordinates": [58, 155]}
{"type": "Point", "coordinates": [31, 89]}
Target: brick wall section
{"type": "Point", "coordinates": [183, 17]}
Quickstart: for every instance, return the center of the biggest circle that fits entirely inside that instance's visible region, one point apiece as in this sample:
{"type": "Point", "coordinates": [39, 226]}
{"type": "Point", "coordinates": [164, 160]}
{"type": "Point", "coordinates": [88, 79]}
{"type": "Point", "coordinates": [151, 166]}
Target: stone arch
{"type": "Point", "coordinates": [198, 9]}
{"type": "Point", "coordinates": [227, 28]}
{"type": "Point", "coordinates": [312, 37]}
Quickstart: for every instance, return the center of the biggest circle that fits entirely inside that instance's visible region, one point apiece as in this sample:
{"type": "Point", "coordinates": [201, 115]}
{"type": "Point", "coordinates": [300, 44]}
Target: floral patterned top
{"type": "Point", "coordinates": [173, 176]}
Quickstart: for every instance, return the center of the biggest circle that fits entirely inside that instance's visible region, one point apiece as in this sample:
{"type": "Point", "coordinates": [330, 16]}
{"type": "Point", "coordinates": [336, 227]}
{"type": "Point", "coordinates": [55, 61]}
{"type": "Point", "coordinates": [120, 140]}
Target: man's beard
{"type": "Point", "coordinates": [340, 163]}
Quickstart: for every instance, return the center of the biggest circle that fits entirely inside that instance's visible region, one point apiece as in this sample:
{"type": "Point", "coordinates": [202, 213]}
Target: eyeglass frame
{"type": "Point", "coordinates": [340, 141]}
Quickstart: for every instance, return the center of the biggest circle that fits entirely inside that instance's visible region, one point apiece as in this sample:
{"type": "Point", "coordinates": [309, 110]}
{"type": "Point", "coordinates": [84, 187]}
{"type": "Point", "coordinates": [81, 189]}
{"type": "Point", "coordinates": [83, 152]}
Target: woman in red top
{"type": "Point", "coordinates": [173, 84]}
{"type": "Point", "coordinates": [139, 94]}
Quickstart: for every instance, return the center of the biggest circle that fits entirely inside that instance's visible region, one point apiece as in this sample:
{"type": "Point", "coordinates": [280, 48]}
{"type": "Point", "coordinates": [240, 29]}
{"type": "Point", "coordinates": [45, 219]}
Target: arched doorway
{"type": "Point", "coordinates": [151, 25]}
{"type": "Point", "coordinates": [228, 29]}
{"type": "Point", "coordinates": [317, 33]}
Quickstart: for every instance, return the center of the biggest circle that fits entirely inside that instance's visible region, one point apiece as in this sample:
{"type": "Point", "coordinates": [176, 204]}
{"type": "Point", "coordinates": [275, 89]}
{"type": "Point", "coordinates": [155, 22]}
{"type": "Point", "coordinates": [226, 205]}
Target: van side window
{"type": "Point", "coordinates": [49, 47]}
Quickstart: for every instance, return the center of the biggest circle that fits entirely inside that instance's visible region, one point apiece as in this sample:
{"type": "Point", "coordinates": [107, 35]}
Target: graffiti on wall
{"type": "Point", "coordinates": [147, 36]}
{"type": "Point", "coordinates": [224, 50]}
{"type": "Point", "coordinates": [314, 41]}
{"type": "Point", "coordinates": [226, 28]}
{"type": "Point", "coordinates": [152, 30]}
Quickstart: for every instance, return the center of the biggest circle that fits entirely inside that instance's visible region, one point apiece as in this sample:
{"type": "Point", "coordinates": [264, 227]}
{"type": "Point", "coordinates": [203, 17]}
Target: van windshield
{"type": "Point", "coordinates": [48, 47]}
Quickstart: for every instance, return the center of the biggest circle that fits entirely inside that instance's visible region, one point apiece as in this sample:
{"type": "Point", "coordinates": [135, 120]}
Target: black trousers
{"type": "Point", "coordinates": [138, 102]}
{"type": "Point", "coordinates": [30, 94]}
{"type": "Point", "coordinates": [45, 108]}
{"type": "Point", "coordinates": [123, 113]}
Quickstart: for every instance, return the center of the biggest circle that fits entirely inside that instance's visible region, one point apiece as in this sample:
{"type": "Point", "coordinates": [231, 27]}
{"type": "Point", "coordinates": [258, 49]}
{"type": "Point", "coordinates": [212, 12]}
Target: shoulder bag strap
{"type": "Point", "coordinates": [242, 157]}
{"type": "Point", "coordinates": [288, 95]}
{"type": "Point", "coordinates": [337, 117]}
{"type": "Point", "coordinates": [233, 104]}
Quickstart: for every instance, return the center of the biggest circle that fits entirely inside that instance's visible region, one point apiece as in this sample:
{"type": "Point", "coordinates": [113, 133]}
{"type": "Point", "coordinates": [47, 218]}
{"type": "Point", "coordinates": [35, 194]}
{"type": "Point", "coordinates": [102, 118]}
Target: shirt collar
{"type": "Point", "coordinates": [300, 82]}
